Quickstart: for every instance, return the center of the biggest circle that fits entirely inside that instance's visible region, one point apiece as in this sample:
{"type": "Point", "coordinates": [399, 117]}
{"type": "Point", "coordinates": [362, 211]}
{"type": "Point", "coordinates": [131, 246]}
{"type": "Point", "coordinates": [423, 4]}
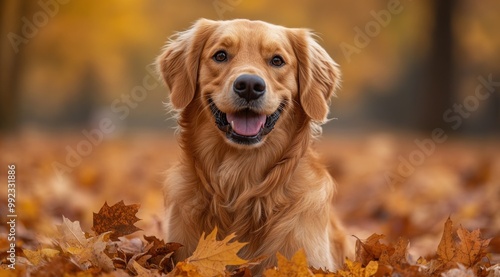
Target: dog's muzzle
{"type": "Point", "coordinates": [245, 126]}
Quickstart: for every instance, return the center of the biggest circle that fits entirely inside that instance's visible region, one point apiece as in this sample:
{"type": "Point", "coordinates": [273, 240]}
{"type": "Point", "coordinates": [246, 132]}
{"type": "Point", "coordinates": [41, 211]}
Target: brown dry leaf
{"type": "Point", "coordinates": [369, 250]}
{"type": "Point", "coordinates": [446, 248]}
{"type": "Point", "coordinates": [212, 256]}
{"type": "Point", "coordinates": [399, 257]}
{"type": "Point", "coordinates": [297, 266]}
{"type": "Point", "coordinates": [161, 252]}
{"type": "Point", "coordinates": [40, 255]}
{"type": "Point", "coordinates": [471, 248]}
{"type": "Point", "coordinates": [138, 257]}
{"type": "Point", "coordinates": [119, 219]}
{"type": "Point", "coordinates": [468, 252]}
{"type": "Point", "coordinates": [390, 258]}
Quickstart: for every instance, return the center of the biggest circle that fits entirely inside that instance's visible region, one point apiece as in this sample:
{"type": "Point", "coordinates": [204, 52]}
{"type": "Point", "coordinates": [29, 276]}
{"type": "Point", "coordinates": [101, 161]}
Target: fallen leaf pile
{"type": "Point", "coordinates": [464, 257]}
{"type": "Point", "coordinates": [58, 235]}
{"type": "Point", "coordinates": [108, 251]}
{"type": "Point", "coordinates": [105, 250]}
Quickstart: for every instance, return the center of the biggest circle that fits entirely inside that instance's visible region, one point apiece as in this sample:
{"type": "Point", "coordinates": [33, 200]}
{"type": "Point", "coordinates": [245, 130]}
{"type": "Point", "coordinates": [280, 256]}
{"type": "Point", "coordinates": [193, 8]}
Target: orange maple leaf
{"type": "Point", "coordinates": [471, 248]}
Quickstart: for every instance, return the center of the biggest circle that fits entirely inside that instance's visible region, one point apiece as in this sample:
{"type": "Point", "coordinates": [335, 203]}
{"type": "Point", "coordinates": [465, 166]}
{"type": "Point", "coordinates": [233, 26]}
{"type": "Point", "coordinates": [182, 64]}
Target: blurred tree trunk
{"type": "Point", "coordinates": [438, 91]}
{"type": "Point", "coordinates": [10, 22]}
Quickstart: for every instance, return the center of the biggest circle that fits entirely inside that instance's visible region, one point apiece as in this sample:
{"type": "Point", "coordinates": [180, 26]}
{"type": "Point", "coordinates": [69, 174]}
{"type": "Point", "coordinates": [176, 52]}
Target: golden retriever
{"type": "Point", "coordinates": [249, 99]}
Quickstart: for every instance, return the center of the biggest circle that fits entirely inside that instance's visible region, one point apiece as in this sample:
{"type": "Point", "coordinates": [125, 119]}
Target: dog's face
{"type": "Point", "coordinates": [248, 74]}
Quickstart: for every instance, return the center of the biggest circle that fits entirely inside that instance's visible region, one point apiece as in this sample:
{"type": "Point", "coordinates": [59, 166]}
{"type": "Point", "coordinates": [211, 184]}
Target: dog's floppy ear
{"type": "Point", "coordinates": [318, 75]}
{"type": "Point", "coordinates": [179, 62]}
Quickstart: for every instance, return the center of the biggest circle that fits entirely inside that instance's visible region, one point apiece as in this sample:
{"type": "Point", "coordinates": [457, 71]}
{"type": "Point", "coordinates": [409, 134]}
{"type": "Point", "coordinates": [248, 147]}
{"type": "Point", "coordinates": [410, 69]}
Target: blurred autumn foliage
{"type": "Point", "coordinates": [68, 63]}
{"type": "Point", "coordinates": [108, 251]}
{"type": "Point", "coordinates": [82, 119]}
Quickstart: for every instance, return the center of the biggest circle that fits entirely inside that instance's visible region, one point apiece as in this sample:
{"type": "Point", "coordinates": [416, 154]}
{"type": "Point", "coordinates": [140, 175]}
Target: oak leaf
{"type": "Point", "coordinates": [297, 266]}
{"type": "Point", "coordinates": [119, 219]}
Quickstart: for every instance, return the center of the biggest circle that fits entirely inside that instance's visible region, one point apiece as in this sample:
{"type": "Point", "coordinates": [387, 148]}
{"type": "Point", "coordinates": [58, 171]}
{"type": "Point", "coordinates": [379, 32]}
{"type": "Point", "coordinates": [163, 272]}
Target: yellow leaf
{"type": "Point", "coordinates": [297, 266]}
{"type": "Point", "coordinates": [212, 256]}
{"type": "Point", "coordinates": [355, 269]}
{"type": "Point", "coordinates": [371, 268]}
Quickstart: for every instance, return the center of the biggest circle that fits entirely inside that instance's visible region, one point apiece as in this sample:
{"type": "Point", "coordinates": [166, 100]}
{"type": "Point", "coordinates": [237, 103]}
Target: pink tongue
{"type": "Point", "coordinates": [246, 123]}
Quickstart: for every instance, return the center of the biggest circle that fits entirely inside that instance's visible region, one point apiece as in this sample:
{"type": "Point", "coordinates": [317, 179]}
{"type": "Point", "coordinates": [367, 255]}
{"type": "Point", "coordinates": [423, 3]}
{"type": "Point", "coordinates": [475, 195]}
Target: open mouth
{"type": "Point", "coordinates": [245, 126]}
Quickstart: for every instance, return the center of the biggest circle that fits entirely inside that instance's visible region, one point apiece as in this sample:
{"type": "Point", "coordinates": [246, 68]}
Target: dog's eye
{"type": "Point", "coordinates": [220, 56]}
{"type": "Point", "coordinates": [277, 61]}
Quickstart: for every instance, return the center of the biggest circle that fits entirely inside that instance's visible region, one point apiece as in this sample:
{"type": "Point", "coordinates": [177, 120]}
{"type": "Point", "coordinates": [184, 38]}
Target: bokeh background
{"type": "Point", "coordinates": [409, 67]}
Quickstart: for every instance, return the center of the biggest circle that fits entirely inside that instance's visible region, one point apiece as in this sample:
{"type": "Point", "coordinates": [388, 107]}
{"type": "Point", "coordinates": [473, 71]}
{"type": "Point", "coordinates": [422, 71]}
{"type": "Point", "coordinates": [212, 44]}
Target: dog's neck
{"type": "Point", "coordinates": [234, 177]}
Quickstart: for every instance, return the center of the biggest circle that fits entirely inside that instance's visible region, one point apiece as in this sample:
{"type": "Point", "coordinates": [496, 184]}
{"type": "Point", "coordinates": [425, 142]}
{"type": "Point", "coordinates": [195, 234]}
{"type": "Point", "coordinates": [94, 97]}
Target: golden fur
{"type": "Point", "coordinates": [275, 194]}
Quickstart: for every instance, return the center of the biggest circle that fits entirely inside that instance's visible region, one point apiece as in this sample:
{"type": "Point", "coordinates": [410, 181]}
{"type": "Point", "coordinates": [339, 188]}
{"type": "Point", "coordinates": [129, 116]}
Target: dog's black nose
{"type": "Point", "coordinates": [249, 87]}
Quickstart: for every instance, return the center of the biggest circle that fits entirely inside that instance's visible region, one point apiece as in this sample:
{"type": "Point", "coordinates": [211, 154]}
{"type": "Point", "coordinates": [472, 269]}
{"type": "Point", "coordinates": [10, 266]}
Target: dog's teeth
{"type": "Point", "coordinates": [232, 124]}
